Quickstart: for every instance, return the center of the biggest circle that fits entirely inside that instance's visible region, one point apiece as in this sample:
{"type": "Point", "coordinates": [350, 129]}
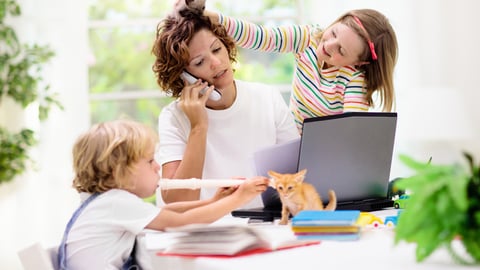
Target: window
{"type": "Point", "coordinates": [121, 34]}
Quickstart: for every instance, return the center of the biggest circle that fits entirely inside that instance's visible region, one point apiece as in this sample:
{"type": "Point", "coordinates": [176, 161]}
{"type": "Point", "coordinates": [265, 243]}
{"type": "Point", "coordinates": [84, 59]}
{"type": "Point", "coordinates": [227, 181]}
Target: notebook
{"type": "Point", "coordinates": [350, 153]}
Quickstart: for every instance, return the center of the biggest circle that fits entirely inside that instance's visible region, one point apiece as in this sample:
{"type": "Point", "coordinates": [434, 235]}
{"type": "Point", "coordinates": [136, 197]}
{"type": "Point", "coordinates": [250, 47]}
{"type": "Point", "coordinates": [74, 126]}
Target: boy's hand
{"type": "Point", "coordinates": [253, 187]}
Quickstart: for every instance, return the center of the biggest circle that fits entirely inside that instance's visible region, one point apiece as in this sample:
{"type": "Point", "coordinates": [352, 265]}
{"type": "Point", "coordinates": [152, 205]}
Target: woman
{"type": "Point", "coordinates": [204, 138]}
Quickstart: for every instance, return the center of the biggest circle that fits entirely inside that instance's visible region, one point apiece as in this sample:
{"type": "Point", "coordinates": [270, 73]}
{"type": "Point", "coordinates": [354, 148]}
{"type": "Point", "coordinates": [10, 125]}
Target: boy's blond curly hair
{"type": "Point", "coordinates": [107, 153]}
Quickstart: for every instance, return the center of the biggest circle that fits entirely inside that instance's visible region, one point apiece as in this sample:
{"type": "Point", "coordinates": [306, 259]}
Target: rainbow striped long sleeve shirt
{"type": "Point", "coordinates": [316, 91]}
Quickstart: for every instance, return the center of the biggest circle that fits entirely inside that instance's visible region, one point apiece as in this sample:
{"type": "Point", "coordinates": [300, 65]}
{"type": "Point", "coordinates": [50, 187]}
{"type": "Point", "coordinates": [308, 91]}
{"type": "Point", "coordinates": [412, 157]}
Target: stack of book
{"type": "Point", "coordinates": [228, 241]}
{"type": "Point", "coordinates": [327, 225]}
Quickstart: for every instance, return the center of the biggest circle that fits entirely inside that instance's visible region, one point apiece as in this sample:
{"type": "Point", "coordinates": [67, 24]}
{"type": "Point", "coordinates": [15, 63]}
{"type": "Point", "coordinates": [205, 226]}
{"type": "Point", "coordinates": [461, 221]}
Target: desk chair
{"type": "Point", "coordinates": [35, 257]}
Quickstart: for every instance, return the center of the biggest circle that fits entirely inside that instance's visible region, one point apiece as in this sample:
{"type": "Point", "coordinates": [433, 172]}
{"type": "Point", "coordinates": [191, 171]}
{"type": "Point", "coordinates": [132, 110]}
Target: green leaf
{"type": "Point", "coordinates": [14, 152]}
{"type": "Point", "coordinates": [410, 162]}
{"type": "Point", "coordinates": [20, 78]}
{"type": "Point", "coordinates": [457, 189]}
{"type": "Point", "coordinates": [444, 203]}
{"type": "Point", "coordinates": [427, 241]}
{"type": "Point", "coordinates": [472, 245]}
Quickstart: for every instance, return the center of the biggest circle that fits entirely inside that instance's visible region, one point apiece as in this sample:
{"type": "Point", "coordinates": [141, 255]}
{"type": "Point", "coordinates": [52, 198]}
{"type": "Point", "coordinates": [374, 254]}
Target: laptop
{"type": "Point", "coordinates": [350, 153]}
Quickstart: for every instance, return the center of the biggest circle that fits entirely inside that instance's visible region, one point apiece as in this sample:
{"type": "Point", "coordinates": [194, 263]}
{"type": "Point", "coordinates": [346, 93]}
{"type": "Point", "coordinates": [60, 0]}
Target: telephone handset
{"type": "Point", "coordinates": [215, 95]}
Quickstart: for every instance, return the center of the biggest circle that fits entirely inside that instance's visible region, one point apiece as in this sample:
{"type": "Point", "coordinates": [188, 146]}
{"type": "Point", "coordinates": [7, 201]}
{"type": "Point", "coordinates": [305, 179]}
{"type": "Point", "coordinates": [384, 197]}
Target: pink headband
{"type": "Point", "coordinates": [370, 43]}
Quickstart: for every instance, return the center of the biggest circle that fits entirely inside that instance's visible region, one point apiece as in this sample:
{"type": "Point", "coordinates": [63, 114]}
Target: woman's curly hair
{"type": "Point", "coordinates": [171, 47]}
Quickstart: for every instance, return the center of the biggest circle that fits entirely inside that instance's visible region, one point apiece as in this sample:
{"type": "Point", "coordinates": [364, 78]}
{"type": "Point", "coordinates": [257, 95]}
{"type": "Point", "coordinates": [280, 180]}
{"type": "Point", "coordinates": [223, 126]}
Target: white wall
{"type": "Point", "coordinates": [436, 75]}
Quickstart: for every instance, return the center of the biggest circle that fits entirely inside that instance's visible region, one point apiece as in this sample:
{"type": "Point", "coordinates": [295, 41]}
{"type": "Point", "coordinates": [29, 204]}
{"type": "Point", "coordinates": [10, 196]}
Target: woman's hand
{"type": "Point", "coordinates": [193, 104]}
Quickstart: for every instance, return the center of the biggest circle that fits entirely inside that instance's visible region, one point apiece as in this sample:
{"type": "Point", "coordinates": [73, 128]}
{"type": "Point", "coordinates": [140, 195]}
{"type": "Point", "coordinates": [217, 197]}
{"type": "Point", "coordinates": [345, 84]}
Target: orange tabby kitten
{"type": "Point", "coordinates": [297, 195]}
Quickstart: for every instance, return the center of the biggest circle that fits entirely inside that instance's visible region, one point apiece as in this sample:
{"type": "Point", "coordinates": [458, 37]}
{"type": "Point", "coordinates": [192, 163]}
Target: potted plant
{"type": "Point", "coordinates": [444, 206]}
{"type": "Point", "coordinates": [20, 80]}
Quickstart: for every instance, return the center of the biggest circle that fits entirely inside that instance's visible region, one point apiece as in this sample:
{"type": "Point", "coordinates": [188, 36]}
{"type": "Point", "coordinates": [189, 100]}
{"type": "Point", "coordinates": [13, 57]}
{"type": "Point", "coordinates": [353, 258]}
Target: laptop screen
{"type": "Point", "coordinates": [350, 153]}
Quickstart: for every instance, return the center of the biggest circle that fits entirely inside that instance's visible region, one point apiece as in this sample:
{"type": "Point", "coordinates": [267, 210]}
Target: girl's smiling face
{"type": "Point", "coordinates": [340, 46]}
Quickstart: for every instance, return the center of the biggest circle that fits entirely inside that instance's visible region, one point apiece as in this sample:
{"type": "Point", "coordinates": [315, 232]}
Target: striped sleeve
{"type": "Point", "coordinates": [334, 91]}
{"type": "Point", "coordinates": [354, 96]}
{"type": "Point", "coordinates": [282, 39]}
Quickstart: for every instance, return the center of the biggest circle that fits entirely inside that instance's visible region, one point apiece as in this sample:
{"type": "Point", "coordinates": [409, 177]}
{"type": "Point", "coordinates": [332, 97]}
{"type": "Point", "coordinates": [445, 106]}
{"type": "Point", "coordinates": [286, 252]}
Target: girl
{"type": "Point", "coordinates": [114, 169]}
{"type": "Point", "coordinates": [337, 69]}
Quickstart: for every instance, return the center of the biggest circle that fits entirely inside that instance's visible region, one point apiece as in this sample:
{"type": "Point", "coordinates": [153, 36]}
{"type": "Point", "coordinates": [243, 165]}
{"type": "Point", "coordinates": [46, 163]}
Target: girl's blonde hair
{"type": "Point", "coordinates": [379, 72]}
{"type": "Point", "coordinates": [108, 152]}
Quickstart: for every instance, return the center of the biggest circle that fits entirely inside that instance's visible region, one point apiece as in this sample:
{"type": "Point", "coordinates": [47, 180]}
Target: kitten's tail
{"type": "Point", "coordinates": [332, 200]}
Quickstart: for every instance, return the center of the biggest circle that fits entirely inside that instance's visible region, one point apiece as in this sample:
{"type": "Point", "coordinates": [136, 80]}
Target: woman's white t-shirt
{"type": "Point", "coordinates": [258, 118]}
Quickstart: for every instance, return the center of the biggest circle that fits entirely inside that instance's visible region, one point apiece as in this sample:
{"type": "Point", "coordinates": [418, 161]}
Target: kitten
{"type": "Point", "coordinates": [297, 195]}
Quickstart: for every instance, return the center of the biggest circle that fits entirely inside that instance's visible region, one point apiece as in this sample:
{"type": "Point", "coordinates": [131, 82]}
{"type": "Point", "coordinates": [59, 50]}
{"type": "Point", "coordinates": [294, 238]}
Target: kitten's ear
{"type": "Point", "coordinates": [271, 183]}
{"type": "Point", "coordinates": [272, 173]}
{"type": "Point", "coordinates": [300, 176]}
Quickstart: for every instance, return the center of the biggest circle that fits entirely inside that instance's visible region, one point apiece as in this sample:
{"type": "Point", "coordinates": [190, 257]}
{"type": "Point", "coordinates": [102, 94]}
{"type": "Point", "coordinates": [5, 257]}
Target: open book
{"type": "Point", "coordinates": [230, 240]}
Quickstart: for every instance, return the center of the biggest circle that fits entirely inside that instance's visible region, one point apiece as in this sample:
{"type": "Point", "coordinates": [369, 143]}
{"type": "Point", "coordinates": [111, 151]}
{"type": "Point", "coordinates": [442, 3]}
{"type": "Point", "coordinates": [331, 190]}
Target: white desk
{"type": "Point", "coordinates": [374, 250]}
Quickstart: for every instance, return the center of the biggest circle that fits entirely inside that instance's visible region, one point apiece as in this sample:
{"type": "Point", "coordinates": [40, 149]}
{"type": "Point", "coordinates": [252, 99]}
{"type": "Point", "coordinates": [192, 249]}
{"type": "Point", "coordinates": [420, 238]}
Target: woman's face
{"type": "Point", "coordinates": [209, 60]}
{"type": "Point", "coordinates": [340, 46]}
